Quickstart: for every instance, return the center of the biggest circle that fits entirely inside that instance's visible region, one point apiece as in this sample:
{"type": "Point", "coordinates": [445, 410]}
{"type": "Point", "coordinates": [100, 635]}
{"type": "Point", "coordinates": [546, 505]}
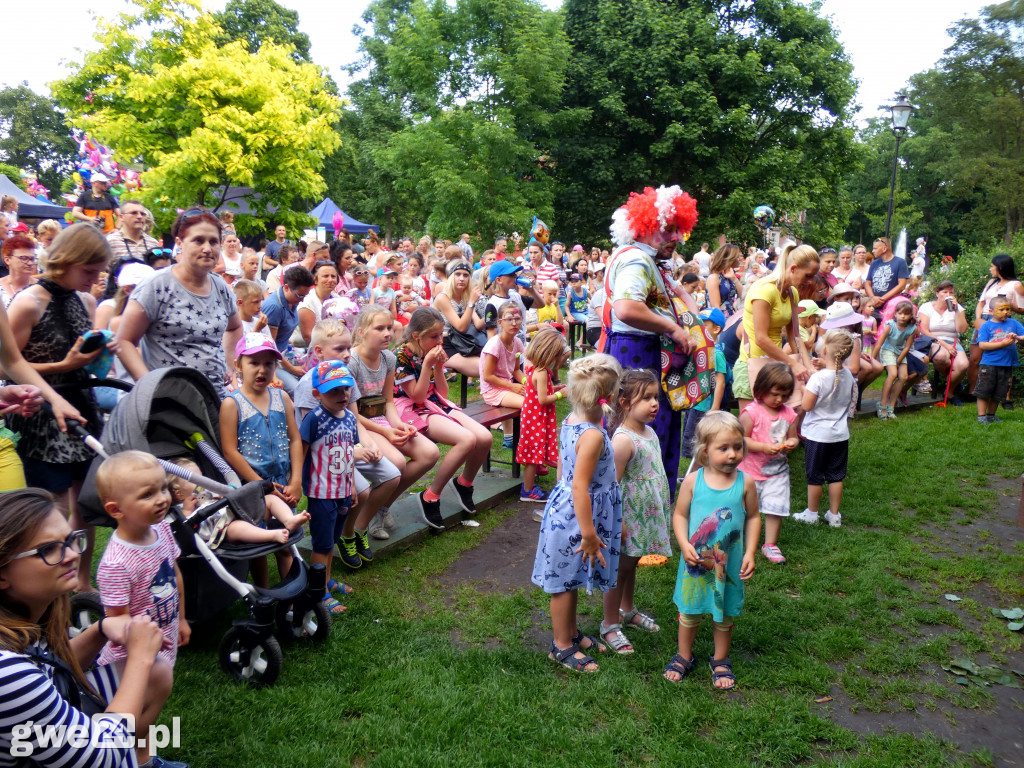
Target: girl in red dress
{"type": "Point", "coordinates": [538, 441]}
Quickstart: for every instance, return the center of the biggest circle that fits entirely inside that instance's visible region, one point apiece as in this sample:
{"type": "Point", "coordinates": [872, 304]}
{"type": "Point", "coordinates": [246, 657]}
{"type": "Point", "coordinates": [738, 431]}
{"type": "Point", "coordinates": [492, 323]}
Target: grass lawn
{"type": "Point", "coordinates": [425, 671]}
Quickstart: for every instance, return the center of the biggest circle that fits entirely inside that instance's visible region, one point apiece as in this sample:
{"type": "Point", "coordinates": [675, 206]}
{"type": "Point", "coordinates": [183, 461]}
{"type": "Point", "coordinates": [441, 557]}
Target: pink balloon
{"type": "Point", "coordinates": [338, 221]}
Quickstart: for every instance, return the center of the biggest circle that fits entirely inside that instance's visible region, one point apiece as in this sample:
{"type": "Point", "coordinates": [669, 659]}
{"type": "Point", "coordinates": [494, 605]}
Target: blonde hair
{"type": "Point", "coordinates": [79, 244]}
{"type": "Point", "coordinates": [176, 484]}
{"type": "Point", "coordinates": [326, 329]}
{"type": "Point", "coordinates": [724, 257]}
{"type": "Point", "coordinates": [6, 200]}
{"type": "Point", "coordinates": [546, 349]}
{"type": "Point", "coordinates": [365, 320]}
{"type": "Point", "coordinates": [448, 287]}
{"type": "Point", "coordinates": [548, 285]}
{"type": "Point", "coordinates": [246, 289]}
{"type": "Point", "coordinates": [594, 383]}
{"type": "Point", "coordinates": [115, 472]}
{"type": "Point", "coordinates": [47, 225]}
{"type": "Point", "coordinates": [800, 256]}
{"type": "Point", "coordinates": [713, 424]}
{"type": "Point", "coordinates": [839, 344]}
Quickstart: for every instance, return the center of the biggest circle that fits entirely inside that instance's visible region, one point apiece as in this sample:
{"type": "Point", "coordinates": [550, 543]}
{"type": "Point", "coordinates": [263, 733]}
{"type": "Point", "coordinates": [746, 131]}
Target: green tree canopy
{"type": "Point", "coordinates": [200, 118]}
{"type": "Point", "coordinates": [740, 103]}
{"type": "Point", "coordinates": [255, 22]}
{"type": "Point", "coordinates": [34, 136]}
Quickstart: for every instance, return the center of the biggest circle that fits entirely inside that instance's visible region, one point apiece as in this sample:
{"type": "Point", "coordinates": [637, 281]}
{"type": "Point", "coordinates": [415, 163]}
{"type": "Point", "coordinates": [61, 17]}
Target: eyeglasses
{"type": "Point", "coordinates": [25, 259]}
{"type": "Point", "coordinates": [54, 552]}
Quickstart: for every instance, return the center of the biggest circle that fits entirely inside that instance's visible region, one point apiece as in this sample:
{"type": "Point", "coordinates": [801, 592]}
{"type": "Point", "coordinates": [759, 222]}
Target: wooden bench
{"type": "Point", "coordinates": [489, 415]}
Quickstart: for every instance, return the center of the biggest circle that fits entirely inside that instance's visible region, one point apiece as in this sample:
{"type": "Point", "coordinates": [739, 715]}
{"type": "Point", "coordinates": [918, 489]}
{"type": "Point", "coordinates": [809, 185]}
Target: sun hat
{"type": "Point", "coordinates": [808, 307]}
{"type": "Point", "coordinates": [500, 268]}
{"type": "Point", "coordinates": [599, 267]}
{"type": "Point", "coordinates": [251, 343]}
{"type": "Point", "coordinates": [839, 315]}
{"type": "Point", "coordinates": [99, 176]}
{"type": "Point", "coordinates": [842, 288]}
{"type": "Point", "coordinates": [133, 273]}
{"type": "Point", "coordinates": [715, 315]}
{"type": "Point", "coordinates": [331, 374]}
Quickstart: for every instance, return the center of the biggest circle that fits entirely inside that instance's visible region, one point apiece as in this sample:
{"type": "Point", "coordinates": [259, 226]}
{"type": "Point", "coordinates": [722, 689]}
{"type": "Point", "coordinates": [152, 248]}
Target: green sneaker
{"type": "Point", "coordinates": [348, 552]}
{"type": "Point", "coordinates": [363, 547]}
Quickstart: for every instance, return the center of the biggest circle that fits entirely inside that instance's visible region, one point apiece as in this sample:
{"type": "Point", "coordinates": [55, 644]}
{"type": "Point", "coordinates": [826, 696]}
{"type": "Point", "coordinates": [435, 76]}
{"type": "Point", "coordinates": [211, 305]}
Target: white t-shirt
{"type": "Point", "coordinates": [941, 325]}
{"type": "Point", "coordinates": [703, 259]}
{"type": "Point", "coordinates": [917, 265]}
{"type": "Point", "coordinates": [826, 421]}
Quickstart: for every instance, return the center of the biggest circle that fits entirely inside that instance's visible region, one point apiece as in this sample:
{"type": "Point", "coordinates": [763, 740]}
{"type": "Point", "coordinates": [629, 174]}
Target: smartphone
{"type": "Point", "coordinates": [93, 340]}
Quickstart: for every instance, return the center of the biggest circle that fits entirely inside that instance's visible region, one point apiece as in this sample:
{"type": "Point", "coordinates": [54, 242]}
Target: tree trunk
{"type": "Point", "coordinates": [387, 226]}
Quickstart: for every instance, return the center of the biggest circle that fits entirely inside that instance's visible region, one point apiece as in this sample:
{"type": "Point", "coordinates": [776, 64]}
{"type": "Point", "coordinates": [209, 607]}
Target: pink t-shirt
{"type": "Point", "coordinates": [506, 363]}
{"type": "Point", "coordinates": [143, 579]}
{"type": "Point", "coordinates": [767, 429]}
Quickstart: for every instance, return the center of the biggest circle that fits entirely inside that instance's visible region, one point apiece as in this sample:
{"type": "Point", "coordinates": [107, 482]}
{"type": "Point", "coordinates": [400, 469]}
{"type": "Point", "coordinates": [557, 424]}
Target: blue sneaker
{"type": "Point", "coordinates": [534, 494]}
{"type": "Point", "coordinates": [507, 442]}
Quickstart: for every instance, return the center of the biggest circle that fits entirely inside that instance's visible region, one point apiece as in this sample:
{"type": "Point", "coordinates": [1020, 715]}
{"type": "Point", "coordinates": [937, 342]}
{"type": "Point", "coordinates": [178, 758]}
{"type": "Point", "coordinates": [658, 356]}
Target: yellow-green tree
{"type": "Point", "coordinates": [201, 118]}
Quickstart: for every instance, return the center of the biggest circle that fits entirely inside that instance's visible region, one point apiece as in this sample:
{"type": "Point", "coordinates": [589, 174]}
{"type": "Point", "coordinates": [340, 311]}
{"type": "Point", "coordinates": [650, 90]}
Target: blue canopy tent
{"type": "Point", "coordinates": [324, 215]}
{"type": "Point", "coordinates": [28, 206]}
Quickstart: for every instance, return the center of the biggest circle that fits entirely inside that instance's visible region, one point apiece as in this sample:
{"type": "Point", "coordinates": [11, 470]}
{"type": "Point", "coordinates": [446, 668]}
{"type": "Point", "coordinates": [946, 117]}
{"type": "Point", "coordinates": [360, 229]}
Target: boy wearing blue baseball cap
{"type": "Point", "coordinates": [329, 435]}
{"type": "Point", "coordinates": [714, 322]}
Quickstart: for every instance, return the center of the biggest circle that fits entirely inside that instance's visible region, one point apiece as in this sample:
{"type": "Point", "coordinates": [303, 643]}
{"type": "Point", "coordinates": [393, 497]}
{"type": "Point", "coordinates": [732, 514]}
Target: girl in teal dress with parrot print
{"type": "Point", "coordinates": [718, 526]}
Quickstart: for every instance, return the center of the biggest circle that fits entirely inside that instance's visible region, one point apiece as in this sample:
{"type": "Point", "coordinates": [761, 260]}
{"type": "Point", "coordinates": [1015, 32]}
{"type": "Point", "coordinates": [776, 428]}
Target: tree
{"type": "Point", "coordinates": [201, 118]}
{"type": "Point", "coordinates": [255, 22]}
{"type": "Point", "coordinates": [741, 103]}
{"type": "Point", "coordinates": [35, 136]}
{"type": "Point", "coordinates": [452, 108]}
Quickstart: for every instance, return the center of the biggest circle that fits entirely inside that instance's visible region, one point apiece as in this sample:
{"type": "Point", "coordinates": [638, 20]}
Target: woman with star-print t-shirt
{"type": "Point", "coordinates": [184, 315]}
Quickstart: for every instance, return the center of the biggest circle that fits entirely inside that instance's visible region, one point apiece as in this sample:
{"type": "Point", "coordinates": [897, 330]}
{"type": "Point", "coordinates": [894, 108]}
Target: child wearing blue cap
{"type": "Point", "coordinates": [714, 322]}
{"type": "Point", "coordinates": [329, 436]}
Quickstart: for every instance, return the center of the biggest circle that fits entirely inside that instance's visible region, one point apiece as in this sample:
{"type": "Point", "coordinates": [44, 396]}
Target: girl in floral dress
{"type": "Point", "coordinates": [538, 442]}
{"type": "Point", "coordinates": [579, 537]}
{"type": "Point", "coordinates": [645, 498]}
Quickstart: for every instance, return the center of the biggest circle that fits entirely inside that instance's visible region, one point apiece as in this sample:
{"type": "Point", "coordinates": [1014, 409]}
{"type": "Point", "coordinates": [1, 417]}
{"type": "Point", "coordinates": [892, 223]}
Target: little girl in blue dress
{"type": "Point", "coordinates": [718, 526]}
{"type": "Point", "coordinates": [582, 526]}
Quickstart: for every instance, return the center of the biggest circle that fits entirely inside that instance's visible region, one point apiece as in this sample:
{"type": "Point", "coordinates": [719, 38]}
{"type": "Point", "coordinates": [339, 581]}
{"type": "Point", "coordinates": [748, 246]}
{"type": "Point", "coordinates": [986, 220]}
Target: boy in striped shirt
{"type": "Point", "coordinates": [329, 435]}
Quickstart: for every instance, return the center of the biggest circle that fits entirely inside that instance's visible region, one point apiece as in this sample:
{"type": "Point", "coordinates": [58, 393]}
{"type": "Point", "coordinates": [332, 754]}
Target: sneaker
{"type": "Point", "coordinates": [983, 420]}
{"type": "Point", "coordinates": [807, 517]}
{"type": "Point", "coordinates": [956, 401]}
{"type": "Point", "coordinates": [993, 419]}
{"type": "Point", "coordinates": [1008, 405]}
{"type": "Point", "coordinates": [773, 554]}
{"type": "Point", "coordinates": [538, 515]}
{"type": "Point", "coordinates": [892, 412]}
{"type": "Point", "coordinates": [363, 547]}
{"type": "Point", "coordinates": [835, 521]}
{"type": "Point", "coordinates": [377, 529]}
{"type": "Point", "coordinates": [158, 762]}
{"type": "Point", "coordinates": [534, 494]}
{"type": "Point", "coordinates": [348, 553]}
{"type": "Point", "coordinates": [430, 511]}
{"type": "Point", "coordinates": [390, 524]}
{"type": "Point", "coordinates": [507, 442]}
{"type": "Point", "coordinates": [464, 495]}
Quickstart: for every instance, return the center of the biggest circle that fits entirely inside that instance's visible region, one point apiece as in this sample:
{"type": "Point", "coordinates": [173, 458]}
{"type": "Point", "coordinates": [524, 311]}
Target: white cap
{"type": "Point", "coordinates": [133, 274]}
{"type": "Point", "coordinates": [99, 176]}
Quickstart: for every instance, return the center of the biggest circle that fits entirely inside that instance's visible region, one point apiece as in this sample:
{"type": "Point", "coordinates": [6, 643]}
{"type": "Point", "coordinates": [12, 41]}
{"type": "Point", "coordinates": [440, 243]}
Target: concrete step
{"type": "Point", "coordinates": [489, 490]}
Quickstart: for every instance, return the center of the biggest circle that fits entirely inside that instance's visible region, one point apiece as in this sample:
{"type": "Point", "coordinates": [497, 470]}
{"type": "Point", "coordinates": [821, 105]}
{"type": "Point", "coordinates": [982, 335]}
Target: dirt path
{"type": "Point", "coordinates": [503, 562]}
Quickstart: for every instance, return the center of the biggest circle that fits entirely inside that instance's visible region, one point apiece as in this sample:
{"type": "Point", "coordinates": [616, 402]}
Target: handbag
{"type": "Point", "coordinates": [68, 685]}
{"type": "Point", "coordinates": [371, 406]}
{"type": "Point", "coordinates": [464, 344]}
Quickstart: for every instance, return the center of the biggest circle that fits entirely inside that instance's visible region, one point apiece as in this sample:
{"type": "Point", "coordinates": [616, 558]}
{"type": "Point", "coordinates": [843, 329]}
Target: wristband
{"type": "Point", "coordinates": [99, 628]}
{"type": "Point", "coordinates": [558, 395]}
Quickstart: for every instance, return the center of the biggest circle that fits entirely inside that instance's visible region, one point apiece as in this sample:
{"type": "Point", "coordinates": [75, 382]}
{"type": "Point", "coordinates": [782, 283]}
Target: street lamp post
{"type": "Point", "coordinates": [900, 117]}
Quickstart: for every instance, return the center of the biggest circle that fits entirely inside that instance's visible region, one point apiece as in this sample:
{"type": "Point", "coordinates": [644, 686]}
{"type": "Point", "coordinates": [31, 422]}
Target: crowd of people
{"type": "Point", "coordinates": [333, 363]}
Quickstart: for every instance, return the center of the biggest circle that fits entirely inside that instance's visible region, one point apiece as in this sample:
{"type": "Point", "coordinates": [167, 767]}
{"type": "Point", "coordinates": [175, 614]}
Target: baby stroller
{"type": "Point", "coordinates": [172, 413]}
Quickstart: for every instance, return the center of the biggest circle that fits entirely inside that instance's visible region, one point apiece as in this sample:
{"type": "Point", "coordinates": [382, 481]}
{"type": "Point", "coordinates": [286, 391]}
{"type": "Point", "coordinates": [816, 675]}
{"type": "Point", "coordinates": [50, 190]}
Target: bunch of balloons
{"type": "Point", "coordinates": [96, 158]}
{"type": "Point", "coordinates": [764, 217]}
{"type": "Point", "coordinates": [37, 190]}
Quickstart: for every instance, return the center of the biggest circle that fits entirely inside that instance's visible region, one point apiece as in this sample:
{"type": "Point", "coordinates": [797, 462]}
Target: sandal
{"type": "Point", "coordinates": [716, 676]}
{"type": "Point", "coordinates": [567, 658]}
{"type": "Point", "coordinates": [618, 641]}
{"type": "Point", "coordinates": [594, 643]}
{"type": "Point", "coordinates": [339, 587]}
{"type": "Point", "coordinates": [646, 622]}
{"type": "Point", "coordinates": [680, 666]}
{"type": "Point", "coordinates": [333, 605]}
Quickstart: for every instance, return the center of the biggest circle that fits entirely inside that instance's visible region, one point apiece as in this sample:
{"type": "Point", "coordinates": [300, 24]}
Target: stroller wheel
{"type": "Point", "coordinates": [86, 610]}
{"type": "Point", "coordinates": [258, 665]}
{"type": "Point", "coordinates": [313, 625]}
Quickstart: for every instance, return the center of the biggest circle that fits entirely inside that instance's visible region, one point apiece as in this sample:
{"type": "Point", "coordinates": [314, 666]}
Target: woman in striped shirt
{"type": "Point", "coordinates": [38, 564]}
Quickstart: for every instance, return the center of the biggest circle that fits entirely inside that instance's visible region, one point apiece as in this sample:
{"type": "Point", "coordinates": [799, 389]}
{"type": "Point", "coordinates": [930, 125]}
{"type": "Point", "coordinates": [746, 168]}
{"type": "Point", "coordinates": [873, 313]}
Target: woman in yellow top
{"type": "Point", "coordinates": [767, 309]}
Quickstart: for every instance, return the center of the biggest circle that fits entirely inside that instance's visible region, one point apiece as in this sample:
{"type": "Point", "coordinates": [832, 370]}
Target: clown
{"type": "Point", "coordinates": [639, 307]}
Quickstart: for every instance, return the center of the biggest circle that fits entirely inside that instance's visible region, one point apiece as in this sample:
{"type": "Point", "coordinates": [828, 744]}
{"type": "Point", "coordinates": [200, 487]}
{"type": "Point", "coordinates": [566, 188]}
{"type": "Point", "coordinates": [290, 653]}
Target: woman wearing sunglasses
{"type": "Point", "coordinates": [41, 677]}
{"type": "Point", "coordinates": [183, 316]}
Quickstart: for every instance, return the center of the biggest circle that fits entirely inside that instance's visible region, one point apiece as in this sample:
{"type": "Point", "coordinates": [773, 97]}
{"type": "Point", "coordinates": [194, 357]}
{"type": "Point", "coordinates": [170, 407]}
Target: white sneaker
{"type": "Point", "coordinates": [377, 529]}
{"type": "Point", "coordinates": [389, 522]}
{"type": "Point", "coordinates": [807, 517]}
{"type": "Point", "coordinates": [835, 521]}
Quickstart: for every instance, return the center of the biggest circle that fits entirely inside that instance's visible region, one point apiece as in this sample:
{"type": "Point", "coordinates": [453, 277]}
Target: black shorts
{"type": "Point", "coordinates": [55, 478]}
{"type": "Point", "coordinates": [825, 462]}
{"type": "Point", "coordinates": [993, 382]}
